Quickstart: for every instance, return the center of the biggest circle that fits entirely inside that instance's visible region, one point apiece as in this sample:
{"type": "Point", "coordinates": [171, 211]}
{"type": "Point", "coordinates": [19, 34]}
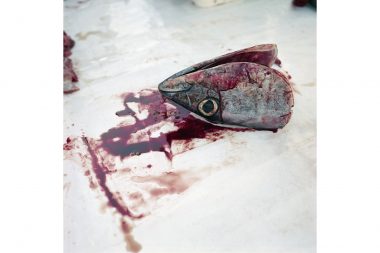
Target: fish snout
{"type": "Point", "coordinates": [172, 86]}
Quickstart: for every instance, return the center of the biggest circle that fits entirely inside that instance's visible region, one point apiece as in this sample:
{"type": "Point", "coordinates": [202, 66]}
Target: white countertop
{"type": "Point", "coordinates": [260, 193]}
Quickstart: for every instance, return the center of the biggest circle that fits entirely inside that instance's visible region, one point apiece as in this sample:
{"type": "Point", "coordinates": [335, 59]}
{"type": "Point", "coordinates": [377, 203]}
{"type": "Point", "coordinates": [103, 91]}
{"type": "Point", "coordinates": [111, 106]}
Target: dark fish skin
{"type": "Point", "coordinates": [238, 89]}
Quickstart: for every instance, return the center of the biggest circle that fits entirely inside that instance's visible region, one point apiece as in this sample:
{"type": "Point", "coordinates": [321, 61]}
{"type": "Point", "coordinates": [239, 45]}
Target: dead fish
{"type": "Point", "coordinates": [238, 89]}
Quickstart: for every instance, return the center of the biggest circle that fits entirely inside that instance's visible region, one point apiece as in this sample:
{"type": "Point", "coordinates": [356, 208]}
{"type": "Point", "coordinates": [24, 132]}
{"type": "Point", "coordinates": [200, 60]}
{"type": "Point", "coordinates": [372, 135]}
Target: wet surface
{"type": "Point", "coordinates": [145, 133]}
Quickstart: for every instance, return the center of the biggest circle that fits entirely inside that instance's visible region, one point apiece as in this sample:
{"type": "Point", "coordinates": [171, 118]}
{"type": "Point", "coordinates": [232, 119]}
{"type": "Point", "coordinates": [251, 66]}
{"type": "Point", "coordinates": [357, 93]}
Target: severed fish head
{"type": "Point", "coordinates": [238, 89]}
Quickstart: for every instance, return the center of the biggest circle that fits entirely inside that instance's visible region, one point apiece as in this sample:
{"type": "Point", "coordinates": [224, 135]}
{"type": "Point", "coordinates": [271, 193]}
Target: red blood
{"type": "Point", "coordinates": [68, 145]}
{"type": "Point", "coordinates": [71, 90]}
{"type": "Point", "coordinates": [277, 62]}
{"type": "Point", "coordinates": [101, 174]}
{"type": "Point", "coordinates": [115, 140]}
{"type": "Point", "coordinates": [68, 43]}
{"type": "Point", "coordinates": [300, 3]}
{"type": "Point", "coordinates": [68, 71]}
{"type": "Point", "coordinates": [157, 192]}
{"type": "Point", "coordinates": [132, 244]}
{"type": "Point", "coordinates": [69, 75]}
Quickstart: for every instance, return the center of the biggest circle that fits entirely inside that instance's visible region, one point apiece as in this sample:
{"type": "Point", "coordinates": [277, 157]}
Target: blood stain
{"type": "Point", "coordinates": [125, 141]}
{"type": "Point", "coordinates": [132, 244]}
{"type": "Point", "coordinates": [300, 3]}
{"type": "Point", "coordinates": [278, 62]}
{"type": "Point", "coordinates": [100, 173]}
{"type": "Point", "coordinates": [188, 127]}
{"type": "Point", "coordinates": [68, 145]}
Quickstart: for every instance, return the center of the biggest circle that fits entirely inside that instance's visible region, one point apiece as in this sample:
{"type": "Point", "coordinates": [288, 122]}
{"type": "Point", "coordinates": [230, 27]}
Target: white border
{"type": "Point", "coordinates": [348, 120]}
{"type": "Point", "coordinates": [31, 213]}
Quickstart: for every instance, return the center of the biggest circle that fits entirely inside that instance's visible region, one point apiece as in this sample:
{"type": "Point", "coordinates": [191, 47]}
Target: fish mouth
{"type": "Point", "coordinates": [171, 87]}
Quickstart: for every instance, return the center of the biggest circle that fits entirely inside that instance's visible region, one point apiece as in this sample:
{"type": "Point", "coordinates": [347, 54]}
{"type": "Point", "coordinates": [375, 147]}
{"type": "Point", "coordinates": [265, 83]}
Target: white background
{"type": "Point", "coordinates": [348, 139]}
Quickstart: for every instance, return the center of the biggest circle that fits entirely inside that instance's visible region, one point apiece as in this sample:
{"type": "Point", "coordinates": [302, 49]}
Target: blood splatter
{"type": "Point", "coordinates": [68, 145]}
{"type": "Point", "coordinates": [278, 62]}
{"type": "Point", "coordinates": [101, 173]}
{"type": "Point", "coordinates": [68, 44]}
{"type": "Point", "coordinates": [147, 113]}
{"type": "Point", "coordinates": [135, 139]}
{"type": "Point", "coordinates": [69, 75]}
{"type": "Point", "coordinates": [132, 244]}
{"type": "Point", "coordinates": [118, 141]}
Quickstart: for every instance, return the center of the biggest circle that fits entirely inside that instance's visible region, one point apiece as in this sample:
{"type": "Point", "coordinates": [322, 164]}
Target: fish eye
{"type": "Point", "coordinates": [208, 107]}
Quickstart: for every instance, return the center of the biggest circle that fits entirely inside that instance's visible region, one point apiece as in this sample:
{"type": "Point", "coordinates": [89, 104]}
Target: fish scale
{"type": "Point", "coordinates": [247, 91]}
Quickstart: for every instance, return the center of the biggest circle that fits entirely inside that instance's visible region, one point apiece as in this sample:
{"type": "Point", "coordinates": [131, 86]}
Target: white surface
{"type": "Point", "coordinates": [260, 195]}
{"type": "Point", "coordinates": [210, 3]}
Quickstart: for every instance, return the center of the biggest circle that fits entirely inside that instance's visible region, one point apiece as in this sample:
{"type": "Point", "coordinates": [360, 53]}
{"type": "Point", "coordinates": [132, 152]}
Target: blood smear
{"type": "Point", "coordinates": [120, 144]}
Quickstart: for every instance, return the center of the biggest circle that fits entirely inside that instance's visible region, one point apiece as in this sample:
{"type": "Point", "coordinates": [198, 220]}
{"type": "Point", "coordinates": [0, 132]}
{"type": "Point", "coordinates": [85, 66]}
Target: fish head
{"type": "Point", "coordinates": [197, 97]}
{"type": "Point", "coordinates": [237, 94]}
